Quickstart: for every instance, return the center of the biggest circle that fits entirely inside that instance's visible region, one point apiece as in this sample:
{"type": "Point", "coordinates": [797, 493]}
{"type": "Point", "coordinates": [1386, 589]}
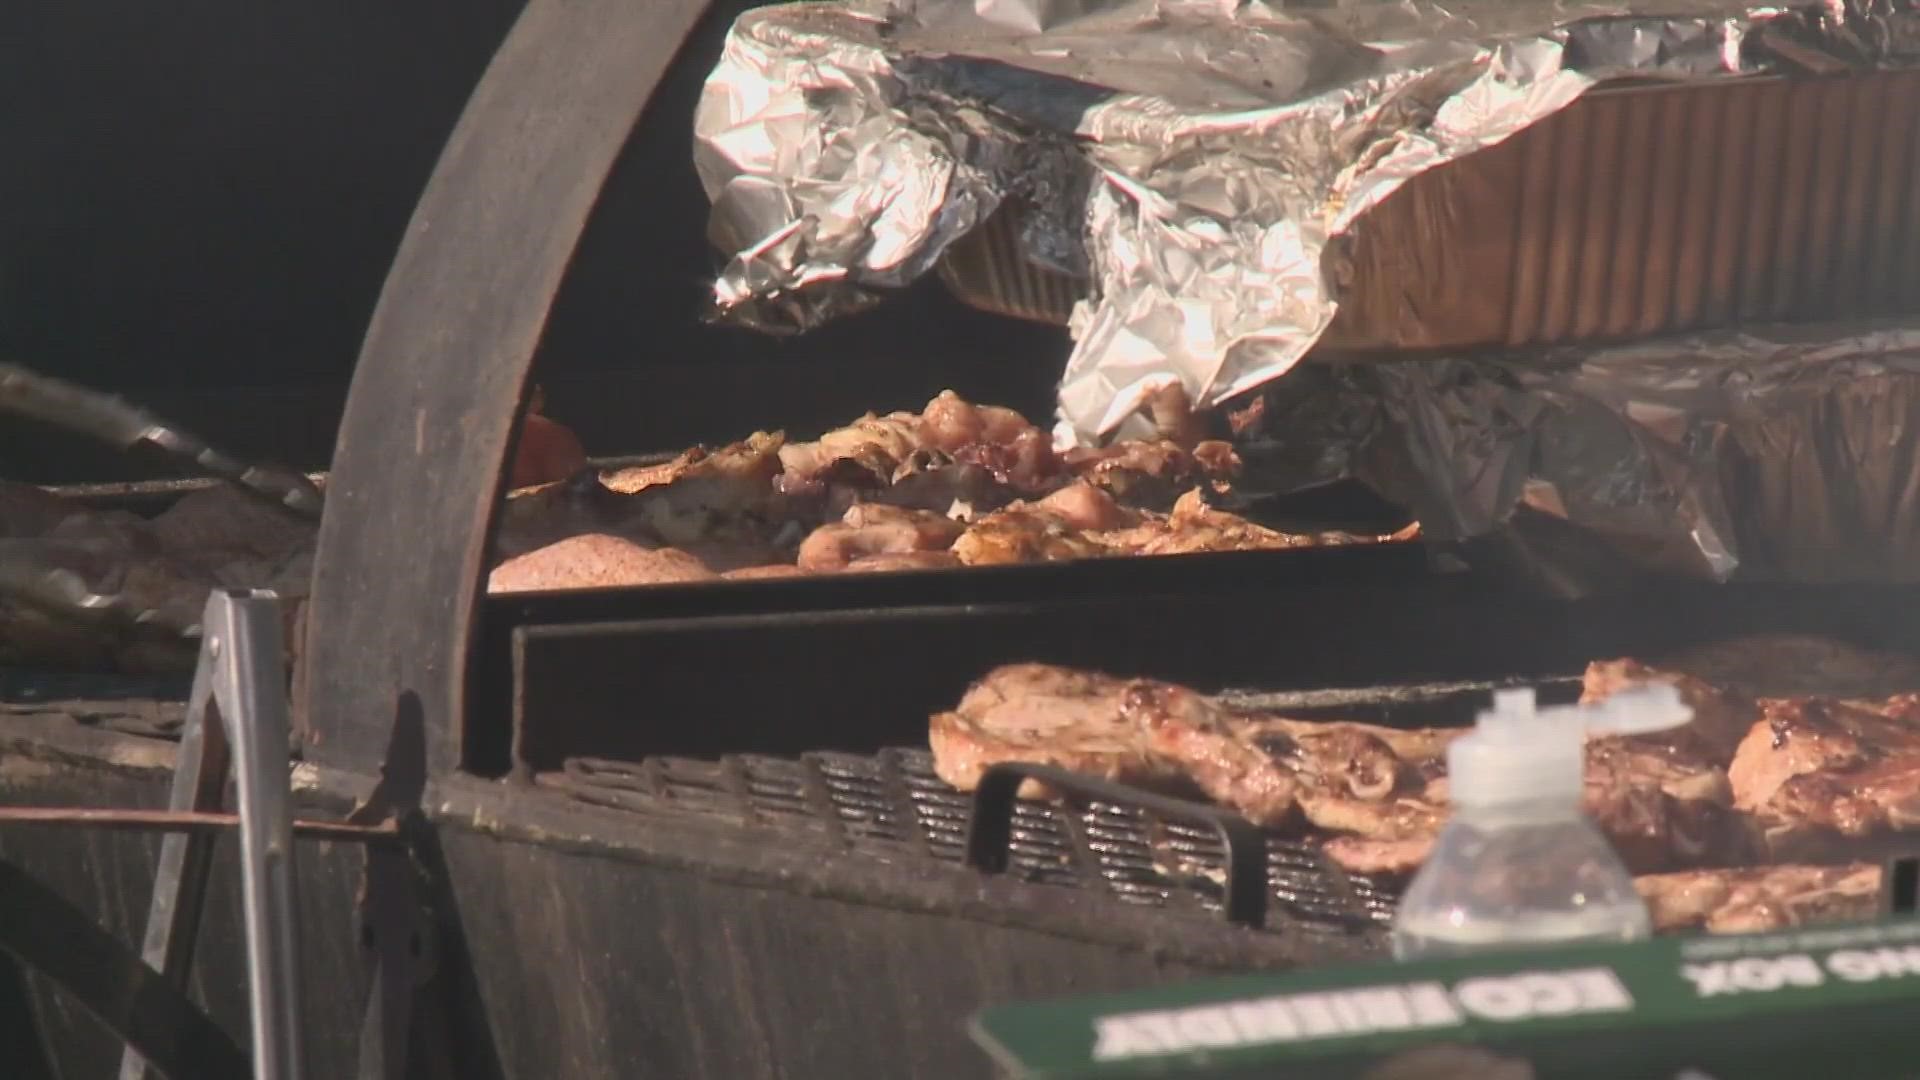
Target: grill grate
{"type": "Point", "coordinates": [891, 806]}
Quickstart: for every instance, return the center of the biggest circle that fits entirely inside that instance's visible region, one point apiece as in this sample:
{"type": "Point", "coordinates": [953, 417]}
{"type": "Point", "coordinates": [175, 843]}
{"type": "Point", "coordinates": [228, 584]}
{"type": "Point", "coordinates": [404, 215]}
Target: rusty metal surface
{"type": "Point", "coordinates": [48, 933]}
{"type": "Point", "coordinates": [890, 807]}
{"type": "Point", "coordinates": [1638, 210]}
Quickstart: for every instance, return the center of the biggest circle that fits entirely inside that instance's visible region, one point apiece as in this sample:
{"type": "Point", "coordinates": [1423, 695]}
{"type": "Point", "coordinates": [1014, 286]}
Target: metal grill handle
{"type": "Point", "coordinates": [990, 828]}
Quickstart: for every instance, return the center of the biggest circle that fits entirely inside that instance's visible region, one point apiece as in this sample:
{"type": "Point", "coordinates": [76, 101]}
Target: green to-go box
{"type": "Point", "coordinates": [1837, 1001]}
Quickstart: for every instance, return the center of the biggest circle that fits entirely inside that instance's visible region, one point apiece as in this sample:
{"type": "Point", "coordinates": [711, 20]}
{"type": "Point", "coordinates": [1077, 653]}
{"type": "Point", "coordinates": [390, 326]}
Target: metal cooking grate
{"type": "Point", "coordinates": [892, 806]}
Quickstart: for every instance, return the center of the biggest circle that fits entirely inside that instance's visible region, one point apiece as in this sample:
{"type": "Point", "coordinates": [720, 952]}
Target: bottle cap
{"type": "Point", "coordinates": [1518, 752]}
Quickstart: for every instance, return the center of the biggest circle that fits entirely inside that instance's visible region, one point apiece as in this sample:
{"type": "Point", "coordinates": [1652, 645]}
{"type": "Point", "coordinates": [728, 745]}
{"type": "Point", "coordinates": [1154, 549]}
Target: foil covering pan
{"type": "Point", "coordinates": [1200, 162]}
{"type": "Point", "coordinates": [1782, 453]}
{"type": "Point", "coordinates": [1638, 210]}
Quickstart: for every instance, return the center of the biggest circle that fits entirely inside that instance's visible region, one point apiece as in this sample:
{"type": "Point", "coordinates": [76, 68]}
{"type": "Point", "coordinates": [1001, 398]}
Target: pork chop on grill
{"type": "Point", "coordinates": [1818, 777]}
{"type": "Point", "coordinates": [1749, 900]}
{"type": "Point", "coordinates": [1135, 731]}
{"type": "Point", "coordinates": [1824, 779]}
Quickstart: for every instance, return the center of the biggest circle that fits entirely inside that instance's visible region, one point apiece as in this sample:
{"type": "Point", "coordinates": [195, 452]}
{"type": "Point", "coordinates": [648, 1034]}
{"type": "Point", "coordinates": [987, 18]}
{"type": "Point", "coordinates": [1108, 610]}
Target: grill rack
{"type": "Point", "coordinates": [890, 806]}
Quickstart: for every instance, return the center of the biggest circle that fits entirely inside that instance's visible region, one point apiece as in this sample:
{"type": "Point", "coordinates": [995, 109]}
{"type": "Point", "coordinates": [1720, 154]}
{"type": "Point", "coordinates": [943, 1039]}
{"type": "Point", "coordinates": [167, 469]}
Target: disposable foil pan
{"type": "Point", "coordinates": [1774, 453]}
{"type": "Point", "coordinates": [1641, 209]}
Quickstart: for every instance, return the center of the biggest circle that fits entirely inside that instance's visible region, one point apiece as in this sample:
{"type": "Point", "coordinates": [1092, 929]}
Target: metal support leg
{"type": "Point", "coordinates": [179, 887]}
{"type": "Point", "coordinates": [239, 680]}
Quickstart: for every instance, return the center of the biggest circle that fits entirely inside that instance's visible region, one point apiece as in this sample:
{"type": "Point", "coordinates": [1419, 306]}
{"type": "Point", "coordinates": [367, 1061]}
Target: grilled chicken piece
{"type": "Point", "coordinates": [1054, 528]}
{"type": "Point", "coordinates": [1195, 527]}
{"type": "Point", "coordinates": [1761, 898]}
{"type": "Point", "coordinates": [1150, 475]}
{"type": "Point", "coordinates": [1381, 790]}
{"type": "Point", "coordinates": [871, 529]}
{"type": "Point", "coordinates": [1720, 717]}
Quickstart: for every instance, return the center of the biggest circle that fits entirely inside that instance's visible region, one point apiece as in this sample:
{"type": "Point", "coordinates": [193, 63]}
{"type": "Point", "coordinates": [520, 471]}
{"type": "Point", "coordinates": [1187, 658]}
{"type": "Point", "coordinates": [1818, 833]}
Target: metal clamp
{"type": "Point", "coordinates": [240, 681]}
{"type": "Point", "coordinates": [990, 829]}
{"type": "Point", "coordinates": [1900, 886]}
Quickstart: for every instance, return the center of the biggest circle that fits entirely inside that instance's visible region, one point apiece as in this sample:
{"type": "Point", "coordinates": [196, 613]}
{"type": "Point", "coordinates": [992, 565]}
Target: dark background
{"type": "Point", "coordinates": [198, 206]}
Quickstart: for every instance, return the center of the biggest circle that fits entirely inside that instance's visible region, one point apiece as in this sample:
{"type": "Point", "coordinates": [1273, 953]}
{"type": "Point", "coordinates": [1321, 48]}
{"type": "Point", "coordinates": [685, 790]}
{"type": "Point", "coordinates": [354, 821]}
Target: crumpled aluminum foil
{"type": "Point", "coordinates": [1783, 453]}
{"type": "Point", "coordinates": [1198, 155]}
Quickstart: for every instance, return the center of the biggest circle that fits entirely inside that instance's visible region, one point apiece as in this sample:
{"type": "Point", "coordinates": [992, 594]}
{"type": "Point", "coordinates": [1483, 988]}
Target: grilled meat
{"type": "Point", "coordinates": [1378, 793]}
{"type": "Point", "coordinates": [1135, 731]}
{"type": "Point", "coordinates": [595, 560]}
{"type": "Point", "coordinates": [1822, 777]}
{"type": "Point", "coordinates": [874, 529]}
{"type": "Point", "coordinates": [1083, 521]}
{"type": "Point", "coordinates": [1817, 777]}
{"type": "Point", "coordinates": [1761, 898]}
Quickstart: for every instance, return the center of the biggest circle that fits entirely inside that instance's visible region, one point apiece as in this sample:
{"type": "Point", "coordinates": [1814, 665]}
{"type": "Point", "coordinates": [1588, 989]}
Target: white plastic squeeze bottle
{"type": "Point", "coordinates": [1519, 863]}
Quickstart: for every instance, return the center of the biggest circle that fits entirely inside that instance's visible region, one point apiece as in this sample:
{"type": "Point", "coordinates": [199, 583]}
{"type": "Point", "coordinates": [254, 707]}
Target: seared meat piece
{"type": "Point", "coordinates": [1379, 793]}
{"type": "Point", "coordinates": [1065, 525]}
{"type": "Point", "coordinates": [870, 451]}
{"type": "Point", "coordinates": [1083, 521]}
{"type": "Point", "coordinates": [879, 443]}
{"type": "Point", "coordinates": [1820, 777]}
{"type": "Point", "coordinates": [721, 503]}
{"type": "Point", "coordinates": [1195, 527]}
{"type": "Point", "coordinates": [1132, 730]}
{"type": "Point", "coordinates": [1720, 717]}
{"type": "Point", "coordinates": [595, 560]}
{"type": "Point", "coordinates": [903, 560]}
{"type": "Point", "coordinates": [1151, 475]}
{"type": "Point", "coordinates": [1173, 417]}
{"type": "Point", "coordinates": [728, 491]}
{"type": "Point", "coordinates": [874, 529]}
{"type": "Point", "coordinates": [1761, 898]}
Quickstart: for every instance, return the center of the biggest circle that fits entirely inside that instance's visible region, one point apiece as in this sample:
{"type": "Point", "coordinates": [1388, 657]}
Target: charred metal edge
{"type": "Point", "coordinates": [431, 414]}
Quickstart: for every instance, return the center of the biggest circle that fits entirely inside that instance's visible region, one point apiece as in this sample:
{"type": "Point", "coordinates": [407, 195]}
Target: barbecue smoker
{"type": "Point", "coordinates": [688, 831]}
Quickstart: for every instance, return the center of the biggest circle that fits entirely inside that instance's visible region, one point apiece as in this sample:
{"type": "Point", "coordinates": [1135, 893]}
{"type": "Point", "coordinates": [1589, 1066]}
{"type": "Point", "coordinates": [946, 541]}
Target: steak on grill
{"type": "Point", "coordinates": [1830, 769]}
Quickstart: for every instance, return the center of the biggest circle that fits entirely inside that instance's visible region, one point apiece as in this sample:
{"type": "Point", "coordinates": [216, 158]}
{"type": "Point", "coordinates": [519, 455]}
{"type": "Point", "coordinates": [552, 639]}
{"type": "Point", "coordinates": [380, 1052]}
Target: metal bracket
{"type": "Point", "coordinates": [240, 682]}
